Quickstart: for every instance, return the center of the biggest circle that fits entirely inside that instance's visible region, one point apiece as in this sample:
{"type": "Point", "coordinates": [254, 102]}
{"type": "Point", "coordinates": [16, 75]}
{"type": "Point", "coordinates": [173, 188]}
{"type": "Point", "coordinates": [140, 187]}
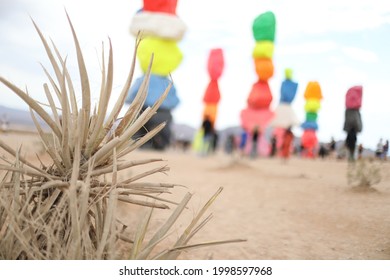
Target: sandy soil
{"type": "Point", "coordinates": [303, 209]}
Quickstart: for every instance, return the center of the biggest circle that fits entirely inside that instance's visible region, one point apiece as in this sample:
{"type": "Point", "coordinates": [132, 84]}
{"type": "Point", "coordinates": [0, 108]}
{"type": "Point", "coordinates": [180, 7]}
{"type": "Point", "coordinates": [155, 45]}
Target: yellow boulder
{"type": "Point", "coordinates": [312, 105]}
{"type": "Point", "coordinates": [288, 72]}
{"type": "Point", "coordinates": [263, 49]}
{"type": "Point", "coordinates": [167, 55]}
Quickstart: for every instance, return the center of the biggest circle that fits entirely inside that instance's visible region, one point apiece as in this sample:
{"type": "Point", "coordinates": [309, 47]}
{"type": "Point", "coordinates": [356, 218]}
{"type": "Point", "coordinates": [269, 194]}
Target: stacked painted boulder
{"type": "Point", "coordinates": [285, 116]}
{"type": "Point", "coordinates": [258, 113]}
{"type": "Point", "coordinates": [215, 65]}
{"type": "Point", "coordinates": [353, 102]}
{"type": "Point", "coordinates": [313, 96]}
{"type": "Point", "coordinates": [212, 94]}
{"type": "Point", "coordinates": [161, 29]}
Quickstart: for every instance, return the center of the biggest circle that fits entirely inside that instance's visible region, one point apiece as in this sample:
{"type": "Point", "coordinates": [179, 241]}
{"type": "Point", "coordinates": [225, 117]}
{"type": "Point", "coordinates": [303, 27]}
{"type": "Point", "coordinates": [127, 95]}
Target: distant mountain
{"type": "Point", "coordinates": [23, 118]}
{"type": "Point", "coordinates": [18, 118]}
{"type": "Point", "coordinates": [15, 116]}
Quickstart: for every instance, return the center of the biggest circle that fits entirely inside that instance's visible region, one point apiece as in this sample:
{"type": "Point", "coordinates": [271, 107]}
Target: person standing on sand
{"type": "Point", "coordinates": [288, 138]}
{"type": "Point", "coordinates": [230, 144]}
{"type": "Point", "coordinates": [322, 151]}
{"type": "Point", "coordinates": [255, 139]}
{"type": "Point", "coordinates": [385, 150]}
{"type": "Point", "coordinates": [350, 143]}
{"type": "Point", "coordinates": [360, 151]}
{"type": "Point", "coordinates": [273, 146]}
{"type": "Point", "coordinates": [332, 147]}
{"type": "Point", "coordinates": [243, 140]}
{"type": "Point", "coordinates": [214, 141]}
{"type": "Point", "coordinates": [379, 149]}
{"type": "Point", "coordinates": [207, 127]}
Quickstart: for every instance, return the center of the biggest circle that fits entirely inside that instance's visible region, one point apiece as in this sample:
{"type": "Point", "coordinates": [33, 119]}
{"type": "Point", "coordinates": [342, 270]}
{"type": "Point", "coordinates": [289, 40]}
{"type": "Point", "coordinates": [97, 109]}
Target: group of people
{"type": "Point", "coordinates": [350, 143]}
{"type": "Point", "coordinates": [249, 144]}
{"type": "Point", "coordinates": [382, 149]}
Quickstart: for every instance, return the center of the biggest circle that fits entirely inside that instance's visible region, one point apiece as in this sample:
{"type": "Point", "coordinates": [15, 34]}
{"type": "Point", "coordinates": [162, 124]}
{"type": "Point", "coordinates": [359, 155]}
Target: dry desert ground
{"type": "Point", "coordinates": [300, 210]}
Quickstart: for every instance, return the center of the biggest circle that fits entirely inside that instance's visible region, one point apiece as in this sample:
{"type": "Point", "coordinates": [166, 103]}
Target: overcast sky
{"type": "Point", "coordinates": [339, 43]}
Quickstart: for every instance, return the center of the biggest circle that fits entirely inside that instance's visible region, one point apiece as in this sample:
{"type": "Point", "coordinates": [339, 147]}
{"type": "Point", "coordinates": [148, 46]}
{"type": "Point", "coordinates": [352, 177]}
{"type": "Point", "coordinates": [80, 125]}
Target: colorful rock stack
{"type": "Point", "coordinates": [313, 96]}
{"type": "Point", "coordinates": [353, 102]}
{"type": "Point", "coordinates": [258, 113]}
{"type": "Point", "coordinates": [215, 64]}
{"type": "Point", "coordinates": [160, 29]}
{"type": "Point", "coordinates": [285, 116]}
{"type": "Point", "coordinates": [212, 95]}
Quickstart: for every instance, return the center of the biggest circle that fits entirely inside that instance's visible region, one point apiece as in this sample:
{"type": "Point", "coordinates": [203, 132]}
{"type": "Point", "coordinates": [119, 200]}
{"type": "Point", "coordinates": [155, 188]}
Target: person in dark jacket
{"type": "Point", "coordinates": [273, 146]}
{"type": "Point", "coordinates": [255, 140]}
{"type": "Point", "coordinates": [350, 143]}
{"type": "Point", "coordinates": [208, 130]}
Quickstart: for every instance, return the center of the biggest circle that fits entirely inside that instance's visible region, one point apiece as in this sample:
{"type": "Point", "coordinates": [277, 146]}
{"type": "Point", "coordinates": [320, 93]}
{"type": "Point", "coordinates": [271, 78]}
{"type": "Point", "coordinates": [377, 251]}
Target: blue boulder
{"type": "Point", "coordinates": [288, 91]}
{"type": "Point", "coordinates": [309, 125]}
{"type": "Point", "coordinates": [157, 86]}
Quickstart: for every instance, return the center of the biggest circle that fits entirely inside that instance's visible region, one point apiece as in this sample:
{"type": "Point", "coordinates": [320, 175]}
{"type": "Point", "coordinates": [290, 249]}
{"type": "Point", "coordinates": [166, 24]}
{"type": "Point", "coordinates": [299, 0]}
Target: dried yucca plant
{"type": "Point", "coordinates": [65, 209]}
{"type": "Point", "coordinates": [363, 174]}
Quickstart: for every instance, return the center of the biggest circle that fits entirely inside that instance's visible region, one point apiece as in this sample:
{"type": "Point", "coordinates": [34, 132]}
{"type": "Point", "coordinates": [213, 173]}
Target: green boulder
{"type": "Point", "coordinates": [264, 27]}
{"type": "Point", "coordinates": [311, 117]}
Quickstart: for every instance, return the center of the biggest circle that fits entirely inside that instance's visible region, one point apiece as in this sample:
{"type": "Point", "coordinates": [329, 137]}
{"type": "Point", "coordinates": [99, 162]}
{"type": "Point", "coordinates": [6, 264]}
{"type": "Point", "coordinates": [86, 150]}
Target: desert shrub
{"type": "Point", "coordinates": [66, 209]}
{"type": "Point", "coordinates": [363, 173]}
